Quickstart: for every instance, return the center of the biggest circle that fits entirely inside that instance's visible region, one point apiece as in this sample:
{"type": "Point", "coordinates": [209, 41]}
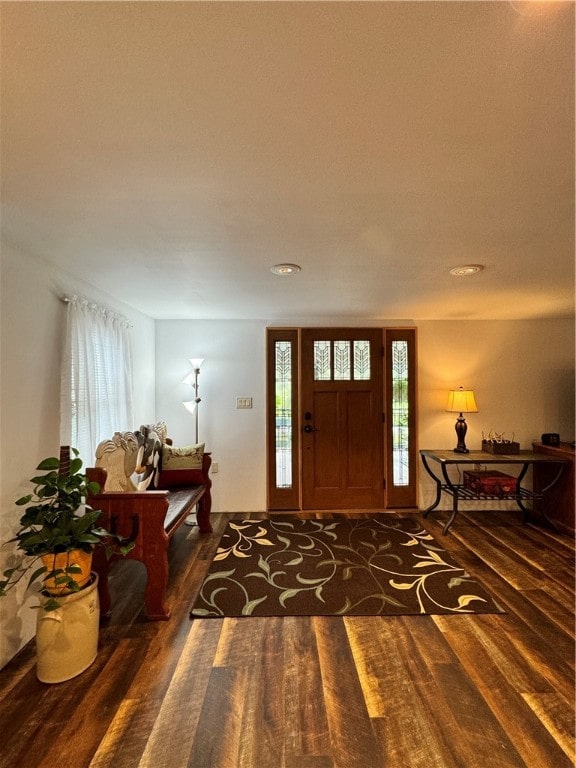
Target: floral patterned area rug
{"type": "Point", "coordinates": [382, 566]}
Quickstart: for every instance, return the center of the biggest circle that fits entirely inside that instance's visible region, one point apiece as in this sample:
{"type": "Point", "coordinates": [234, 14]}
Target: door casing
{"type": "Point", "coordinates": [351, 406]}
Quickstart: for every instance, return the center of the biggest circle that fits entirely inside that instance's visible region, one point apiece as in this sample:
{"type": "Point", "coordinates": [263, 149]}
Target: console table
{"type": "Point", "coordinates": [441, 460]}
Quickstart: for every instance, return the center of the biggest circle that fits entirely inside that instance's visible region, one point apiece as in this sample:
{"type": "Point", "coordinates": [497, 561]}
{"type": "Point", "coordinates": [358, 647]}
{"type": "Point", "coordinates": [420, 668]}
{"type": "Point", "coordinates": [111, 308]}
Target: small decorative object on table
{"type": "Point", "coordinates": [496, 443]}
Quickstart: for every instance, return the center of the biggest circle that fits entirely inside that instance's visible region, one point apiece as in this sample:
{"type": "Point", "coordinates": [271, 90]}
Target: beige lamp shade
{"type": "Point", "coordinates": [462, 401]}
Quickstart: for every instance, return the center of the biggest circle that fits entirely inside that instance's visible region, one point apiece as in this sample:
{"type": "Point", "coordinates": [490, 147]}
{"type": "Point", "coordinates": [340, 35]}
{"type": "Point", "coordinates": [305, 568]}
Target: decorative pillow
{"type": "Point", "coordinates": [189, 457]}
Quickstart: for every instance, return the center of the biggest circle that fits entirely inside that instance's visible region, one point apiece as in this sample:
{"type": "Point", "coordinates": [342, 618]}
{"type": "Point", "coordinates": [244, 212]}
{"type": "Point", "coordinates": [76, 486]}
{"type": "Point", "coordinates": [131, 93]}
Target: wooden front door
{"type": "Point", "coordinates": [341, 432]}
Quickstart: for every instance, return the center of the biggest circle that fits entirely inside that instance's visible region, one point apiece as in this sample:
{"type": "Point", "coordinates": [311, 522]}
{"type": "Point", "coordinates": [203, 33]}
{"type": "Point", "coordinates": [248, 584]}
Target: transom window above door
{"type": "Point", "coordinates": [342, 360]}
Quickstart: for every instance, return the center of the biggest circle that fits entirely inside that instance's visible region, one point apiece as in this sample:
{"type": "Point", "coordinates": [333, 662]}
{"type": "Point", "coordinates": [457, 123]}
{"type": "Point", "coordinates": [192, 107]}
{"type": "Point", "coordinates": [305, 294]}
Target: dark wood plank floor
{"type": "Point", "coordinates": [486, 691]}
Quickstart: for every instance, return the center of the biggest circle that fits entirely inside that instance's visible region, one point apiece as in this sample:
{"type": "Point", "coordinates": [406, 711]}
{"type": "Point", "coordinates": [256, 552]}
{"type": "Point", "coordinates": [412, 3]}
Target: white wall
{"type": "Point", "coordinates": [521, 371]}
{"type": "Point", "coordinates": [234, 366]}
{"type": "Point", "coordinates": [32, 331]}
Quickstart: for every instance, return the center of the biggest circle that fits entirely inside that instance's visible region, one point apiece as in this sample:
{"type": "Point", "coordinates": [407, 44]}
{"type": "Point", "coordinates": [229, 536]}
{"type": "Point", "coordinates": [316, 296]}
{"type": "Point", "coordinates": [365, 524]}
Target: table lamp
{"type": "Point", "coordinates": [461, 401]}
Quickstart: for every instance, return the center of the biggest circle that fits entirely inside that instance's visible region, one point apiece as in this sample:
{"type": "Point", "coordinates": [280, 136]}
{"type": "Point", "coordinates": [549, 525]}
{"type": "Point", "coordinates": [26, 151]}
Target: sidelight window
{"type": "Point", "coordinates": [283, 422]}
{"type": "Point", "coordinates": [400, 414]}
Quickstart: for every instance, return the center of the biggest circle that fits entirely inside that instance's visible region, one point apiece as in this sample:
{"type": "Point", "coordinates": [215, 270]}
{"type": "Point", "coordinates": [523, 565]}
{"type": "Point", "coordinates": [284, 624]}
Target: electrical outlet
{"type": "Point", "coordinates": [243, 402]}
{"type": "Point", "coordinates": [214, 467]}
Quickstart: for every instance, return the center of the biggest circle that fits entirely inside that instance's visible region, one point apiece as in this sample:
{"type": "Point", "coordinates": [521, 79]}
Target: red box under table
{"type": "Point", "coordinates": [490, 482]}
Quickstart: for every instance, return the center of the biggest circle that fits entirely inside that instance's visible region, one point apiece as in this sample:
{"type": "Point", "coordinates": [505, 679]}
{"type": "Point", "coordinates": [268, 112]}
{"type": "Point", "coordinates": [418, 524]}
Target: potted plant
{"type": "Point", "coordinates": [56, 539]}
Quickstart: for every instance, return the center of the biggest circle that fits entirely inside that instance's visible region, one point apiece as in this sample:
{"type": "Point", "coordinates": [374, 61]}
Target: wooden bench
{"type": "Point", "coordinates": [149, 519]}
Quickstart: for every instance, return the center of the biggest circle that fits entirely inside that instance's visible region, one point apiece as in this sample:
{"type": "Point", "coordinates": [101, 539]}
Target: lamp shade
{"type": "Point", "coordinates": [461, 401]}
{"type": "Point", "coordinates": [196, 362]}
{"type": "Point", "coordinates": [190, 405]}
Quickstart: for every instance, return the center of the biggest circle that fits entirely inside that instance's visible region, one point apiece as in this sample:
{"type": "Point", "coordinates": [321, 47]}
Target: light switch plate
{"type": "Point", "coordinates": [243, 402]}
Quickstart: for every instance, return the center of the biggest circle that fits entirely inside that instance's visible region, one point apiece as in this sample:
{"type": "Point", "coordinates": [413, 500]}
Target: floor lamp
{"type": "Point", "coordinates": [192, 378]}
{"type": "Point", "coordinates": [193, 407]}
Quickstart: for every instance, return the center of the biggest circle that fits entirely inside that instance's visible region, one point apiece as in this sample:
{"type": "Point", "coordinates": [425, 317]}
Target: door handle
{"type": "Point", "coordinates": [309, 428]}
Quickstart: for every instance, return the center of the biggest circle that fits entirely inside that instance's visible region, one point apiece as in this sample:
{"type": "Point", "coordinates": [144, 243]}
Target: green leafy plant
{"type": "Point", "coordinates": [58, 519]}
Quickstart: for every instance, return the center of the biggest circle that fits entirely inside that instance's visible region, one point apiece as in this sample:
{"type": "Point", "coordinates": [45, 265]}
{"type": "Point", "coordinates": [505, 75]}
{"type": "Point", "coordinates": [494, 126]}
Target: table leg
{"type": "Point", "coordinates": [454, 492]}
{"type": "Point", "coordinates": [438, 489]}
{"type": "Point", "coordinates": [453, 515]}
{"type": "Point", "coordinates": [519, 502]}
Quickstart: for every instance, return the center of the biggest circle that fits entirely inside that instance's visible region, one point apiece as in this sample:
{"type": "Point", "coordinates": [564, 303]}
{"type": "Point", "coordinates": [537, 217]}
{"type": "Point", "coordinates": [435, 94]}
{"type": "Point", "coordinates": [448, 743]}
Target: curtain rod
{"type": "Point", "coordinates": [66, 300]}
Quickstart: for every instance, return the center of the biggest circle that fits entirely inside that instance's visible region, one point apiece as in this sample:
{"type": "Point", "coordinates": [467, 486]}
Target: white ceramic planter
{"type": "Point", "coordinates": [67, 638]}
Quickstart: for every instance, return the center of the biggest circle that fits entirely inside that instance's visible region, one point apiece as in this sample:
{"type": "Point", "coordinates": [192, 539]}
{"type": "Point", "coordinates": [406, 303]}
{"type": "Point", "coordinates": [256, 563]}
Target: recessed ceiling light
{"type": "Point", "coordinates": [285, 269]}
{"type": "Point", "coordinates": [466, 270]}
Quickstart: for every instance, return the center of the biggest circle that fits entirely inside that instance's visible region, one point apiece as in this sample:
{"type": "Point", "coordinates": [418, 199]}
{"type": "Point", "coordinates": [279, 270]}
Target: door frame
{"type": "Point", "coordinates": [290, 498]}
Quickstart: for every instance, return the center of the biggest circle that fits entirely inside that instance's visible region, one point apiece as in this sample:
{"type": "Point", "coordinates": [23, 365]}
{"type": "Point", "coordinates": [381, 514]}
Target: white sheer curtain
{"type": "Point", "coordinates": [97, 385]}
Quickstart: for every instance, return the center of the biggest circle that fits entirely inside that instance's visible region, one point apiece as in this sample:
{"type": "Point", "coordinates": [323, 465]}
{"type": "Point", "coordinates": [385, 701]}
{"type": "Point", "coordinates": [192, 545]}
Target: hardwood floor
{"type": "Point", "coordinates": [485, 691]}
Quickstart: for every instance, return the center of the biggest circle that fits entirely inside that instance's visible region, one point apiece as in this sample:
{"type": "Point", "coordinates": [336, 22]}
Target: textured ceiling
{"type": "Point", "coordinates": [171, 153]}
